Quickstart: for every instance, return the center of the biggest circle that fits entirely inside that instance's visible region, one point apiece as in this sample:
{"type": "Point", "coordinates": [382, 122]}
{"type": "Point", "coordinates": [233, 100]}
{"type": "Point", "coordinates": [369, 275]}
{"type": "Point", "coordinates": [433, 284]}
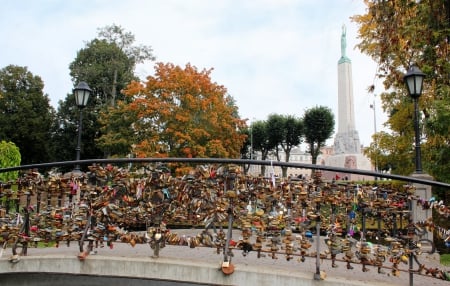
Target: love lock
{"type": "Point", "coordinates": [227, 268]}
{"type": "Point", "coordinates": [15, 258]}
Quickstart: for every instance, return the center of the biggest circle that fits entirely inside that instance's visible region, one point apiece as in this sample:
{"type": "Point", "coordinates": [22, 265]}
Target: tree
{"type": "Point", "coordinates": [261, 140]}
{"type": "Point", "coordinates": [9, 157]}
{"type": "Point", "coordinates": [107, 64]}
{"type": "Point", "coordinates": [397, 34]}
{"type": "Point", "coordinates": [116, 35]}
{"type": "Point", "coordinates": [275, 132]}
{"type": "Point", "coordinates": [26, 115]}
{"type": "Point", "coordinates": [284, 132]}
{"type": "Point", "coordinates": [181, 113]}
{"type": "Point", "coordinates": [246, 149]}
{"type": "Point", "coordinates": [391, 154]}
{"type": "Point", "coordinates": [125, 40]}
{"type": "Point", "coordinates": [318, 127]}
{"type": "Point", "coordinates": [117, 130]}
{"type": "Point", "coordinates": [105, 67]}
{"type": "Point", "coordinates": [65, 130]}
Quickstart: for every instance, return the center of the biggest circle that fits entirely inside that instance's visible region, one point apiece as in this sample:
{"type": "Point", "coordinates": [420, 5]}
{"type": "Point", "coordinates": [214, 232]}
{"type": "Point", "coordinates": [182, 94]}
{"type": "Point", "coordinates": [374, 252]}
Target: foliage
{"type": "Point", "coordinates": [318, 127]}
{"type": "Point", "coordinates": [105, 67]}
{"type": "Point", "coordinates": [392, 153]}
{"type": "Point", "coordinates": [397, 34]}
{"type": "Point", "coordinates": [118, 135]}
{"type": "Point", "coordinates": [125, 40]}
{"type": "Point", "coordinates": [247, 146]}
{"type": "Point", "coordinates": [9, 157]}
{"type": "Point", "coordinates": [107, 64]}
{"type": "Point", "coordinates": [181, 113]}
{"type": "Point", "coordinates": [261, 141]}
{"type": "Point", "coordinates": [26, 116]}
{"type": "Point", "coordinates": [285, 132]}
{"type": "Point", "coordinates": [445, 259]}
{"type": "Point", "coordinates": [247, 150]}
{"type": "Point", "coordinates": [65, 130]}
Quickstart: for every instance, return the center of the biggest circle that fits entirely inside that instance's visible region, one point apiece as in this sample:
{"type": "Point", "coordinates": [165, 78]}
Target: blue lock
{"type": "Point", "coordinates": [352, 214]}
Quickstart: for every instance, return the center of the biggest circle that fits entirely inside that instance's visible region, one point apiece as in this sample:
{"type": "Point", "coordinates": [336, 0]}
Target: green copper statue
{"type": "Point", "coordinates": [343, 58]}
{"type": "Point", "coordinates": [343, 41]}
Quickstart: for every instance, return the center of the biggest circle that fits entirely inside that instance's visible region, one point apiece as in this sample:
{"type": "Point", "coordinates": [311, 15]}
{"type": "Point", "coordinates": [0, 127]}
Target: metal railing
{"type": "Point", "coordinates": [229, 161]}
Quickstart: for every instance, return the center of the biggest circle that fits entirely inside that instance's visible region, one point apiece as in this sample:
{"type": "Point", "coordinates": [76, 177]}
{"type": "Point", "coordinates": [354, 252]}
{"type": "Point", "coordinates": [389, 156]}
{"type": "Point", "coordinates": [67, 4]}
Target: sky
{"type": "Point", "coordinates": [273, 56]}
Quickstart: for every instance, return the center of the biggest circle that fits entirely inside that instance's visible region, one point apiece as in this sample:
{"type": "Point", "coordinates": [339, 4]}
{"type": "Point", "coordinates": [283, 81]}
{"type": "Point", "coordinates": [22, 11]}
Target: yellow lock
{"type": "Point", "coordinates": [404, 258]}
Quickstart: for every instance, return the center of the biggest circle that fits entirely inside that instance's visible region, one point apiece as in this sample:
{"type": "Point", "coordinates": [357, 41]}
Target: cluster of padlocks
{"type": "Point", "coordinates": [276, 217]}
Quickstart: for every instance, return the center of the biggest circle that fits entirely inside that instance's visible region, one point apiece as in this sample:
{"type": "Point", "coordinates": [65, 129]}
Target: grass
{"type": "Point", "coordinates": [445, 259]}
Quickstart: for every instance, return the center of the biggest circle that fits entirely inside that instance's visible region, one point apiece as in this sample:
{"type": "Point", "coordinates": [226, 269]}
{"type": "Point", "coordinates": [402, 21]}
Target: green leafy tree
{"type": "Point", "coordinates": [118, 135]}
{"type": "Point", "coordinates": [275, 131]}
{"type": "Point", "coordinates": [9, 157]}
{"type": "Point", "coordinates": [107, 64]}
{"type": "Point", "coordinates": [105, 67]}
{"type": "Point", "coordinates": [65, 130]}
{"type": "Point", "coordinates": [26, 115]}
{"type": "Point", "coordinates": [318, 127]}
{"type": "Point", "coordinates": [261, 140]}
{"type": "Point", "coordinates": [438, 143]}
{"type": "Point", "coordinates": [397, 34]}
{"type": "Point", "coordinates": [284, 132]}
{"type": "Point", "coordinates": [391, 154]}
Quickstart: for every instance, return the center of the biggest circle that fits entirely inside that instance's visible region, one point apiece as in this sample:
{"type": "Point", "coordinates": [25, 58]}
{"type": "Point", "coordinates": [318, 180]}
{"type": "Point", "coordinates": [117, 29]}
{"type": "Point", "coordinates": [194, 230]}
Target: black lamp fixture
{"type": "Point", "coordinates": [81, 93]}
{"type": "Point", "coordinates": [414, 83]}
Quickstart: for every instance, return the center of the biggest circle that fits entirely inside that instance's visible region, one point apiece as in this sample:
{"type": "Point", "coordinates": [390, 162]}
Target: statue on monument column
{"type": "Point", "coordinates": [343, 41]}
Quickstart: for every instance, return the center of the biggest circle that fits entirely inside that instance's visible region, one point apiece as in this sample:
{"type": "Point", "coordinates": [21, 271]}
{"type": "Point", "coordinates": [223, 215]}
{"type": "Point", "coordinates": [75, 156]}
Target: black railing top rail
{"type": "Point", "coordinates": [409, 179]}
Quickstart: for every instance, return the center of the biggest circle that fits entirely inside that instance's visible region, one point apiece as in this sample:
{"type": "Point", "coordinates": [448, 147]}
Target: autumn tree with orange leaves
{"type": "Point", "coordinates": [178, 113]}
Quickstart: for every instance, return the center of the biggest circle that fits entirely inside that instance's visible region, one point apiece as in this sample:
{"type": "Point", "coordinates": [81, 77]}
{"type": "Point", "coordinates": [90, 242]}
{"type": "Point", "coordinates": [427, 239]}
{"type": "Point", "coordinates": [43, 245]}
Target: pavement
{"type": "Point", "coordinates": [207, 254]}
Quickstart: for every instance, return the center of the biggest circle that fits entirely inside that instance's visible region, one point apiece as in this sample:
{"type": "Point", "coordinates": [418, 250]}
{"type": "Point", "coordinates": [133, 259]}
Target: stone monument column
{"type": "Point", "coordinates": [347, 147]}
{"type": "Point", "coordinates": [347, 138]}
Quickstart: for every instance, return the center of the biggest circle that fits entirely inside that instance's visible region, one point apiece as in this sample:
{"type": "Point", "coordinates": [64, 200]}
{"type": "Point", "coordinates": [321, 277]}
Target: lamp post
{"type": "Point", "coordinates": [81, 92]}
{"type": "Point", "coordinates": [414, 82]}
{"type": "Point", "coordinates": [375, 130]}
{"type": "Point", "coordinates": [251, 142]}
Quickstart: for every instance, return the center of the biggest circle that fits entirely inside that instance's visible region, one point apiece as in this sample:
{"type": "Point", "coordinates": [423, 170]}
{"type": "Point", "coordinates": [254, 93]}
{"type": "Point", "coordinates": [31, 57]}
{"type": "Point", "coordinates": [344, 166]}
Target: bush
{"type": "Point", "coordinates": [9, 157]}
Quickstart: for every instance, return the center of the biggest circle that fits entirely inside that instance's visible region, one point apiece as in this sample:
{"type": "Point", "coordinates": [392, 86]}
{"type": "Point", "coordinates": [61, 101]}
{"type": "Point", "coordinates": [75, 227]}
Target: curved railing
{"type": "Point", "coordinates": [229, 161]}
{"type": "Point", "coordinates": [224, 208]}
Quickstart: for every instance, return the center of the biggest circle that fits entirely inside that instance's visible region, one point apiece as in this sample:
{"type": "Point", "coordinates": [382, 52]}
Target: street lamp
{"type": "Point", "coordinates": [251, 142]}
{"type": "Point", "coordinates": [414, 82]}
{"type": "Point", "coordinates": [81, 92]}
{"type": "Point", "coordinates": [375, 130]}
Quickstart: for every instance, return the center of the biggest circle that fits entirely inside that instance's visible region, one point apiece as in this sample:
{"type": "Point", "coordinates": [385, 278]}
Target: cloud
{"type": "Point", "coordinates": [273, 56]}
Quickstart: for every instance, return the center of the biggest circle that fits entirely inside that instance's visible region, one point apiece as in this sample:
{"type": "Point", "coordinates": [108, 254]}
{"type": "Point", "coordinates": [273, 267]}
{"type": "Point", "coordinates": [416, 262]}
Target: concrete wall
{"type": "Point", "coordinates": [164, 270]}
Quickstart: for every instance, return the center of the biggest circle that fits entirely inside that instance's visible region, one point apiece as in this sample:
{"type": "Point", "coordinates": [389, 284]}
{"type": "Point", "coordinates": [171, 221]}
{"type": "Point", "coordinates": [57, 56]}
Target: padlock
{"type": "Point", "coordinates": [308, 234]}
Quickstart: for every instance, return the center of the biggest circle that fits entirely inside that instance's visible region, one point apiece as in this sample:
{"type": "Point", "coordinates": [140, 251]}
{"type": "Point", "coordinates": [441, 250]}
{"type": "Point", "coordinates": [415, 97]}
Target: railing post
{"type": "Point", "coordinates": [317, 274]}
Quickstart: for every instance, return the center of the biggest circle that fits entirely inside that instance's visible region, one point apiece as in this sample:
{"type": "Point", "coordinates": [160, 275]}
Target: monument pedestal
{"type": "Point", "coordinates": [423, 192]}
{"type": "Point", "coordinates": [349, 161]}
